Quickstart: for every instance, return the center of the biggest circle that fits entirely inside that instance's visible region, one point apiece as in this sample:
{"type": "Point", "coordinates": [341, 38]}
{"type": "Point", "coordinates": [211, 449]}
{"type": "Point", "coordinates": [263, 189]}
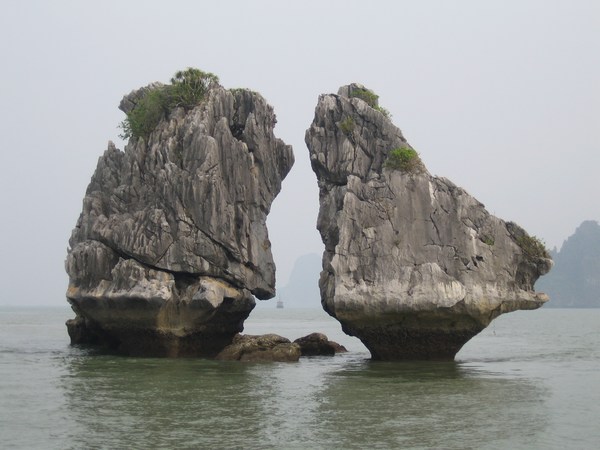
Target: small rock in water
{"type": "Point", "coordinates": [262, 348]}
{"type": "Point", "coordinates": [318, 344]}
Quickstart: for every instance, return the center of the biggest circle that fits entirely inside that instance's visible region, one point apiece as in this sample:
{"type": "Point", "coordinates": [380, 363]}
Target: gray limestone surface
{"type": "Point", "coordinates": [172, 246]}
{"type": "Point", "coordinates": [414, 266]}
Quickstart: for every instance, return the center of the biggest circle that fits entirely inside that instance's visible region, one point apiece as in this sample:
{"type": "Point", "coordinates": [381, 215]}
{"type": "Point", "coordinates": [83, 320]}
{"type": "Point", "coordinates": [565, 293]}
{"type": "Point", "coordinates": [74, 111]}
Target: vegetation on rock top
{"type": "Point", "coordinates": [187, 89]}
{"type": "Point", "coordinates": [371, 98]}
{"type": "Point", "coordinates": [533, 248]}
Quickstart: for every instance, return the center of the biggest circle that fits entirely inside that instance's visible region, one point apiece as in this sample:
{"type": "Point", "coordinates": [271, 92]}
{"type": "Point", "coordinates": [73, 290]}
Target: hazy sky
{"type": "Point", "coordinates": [502, 97]}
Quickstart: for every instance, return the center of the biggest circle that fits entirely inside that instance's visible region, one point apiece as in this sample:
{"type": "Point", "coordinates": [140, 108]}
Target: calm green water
{"type": "Point", "coordinates": [531, 380]}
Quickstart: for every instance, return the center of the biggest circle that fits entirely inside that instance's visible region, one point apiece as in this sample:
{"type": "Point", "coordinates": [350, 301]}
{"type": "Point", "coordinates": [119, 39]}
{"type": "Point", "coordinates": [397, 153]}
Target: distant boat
{"type": "Point", "coordinates": [279, 303]}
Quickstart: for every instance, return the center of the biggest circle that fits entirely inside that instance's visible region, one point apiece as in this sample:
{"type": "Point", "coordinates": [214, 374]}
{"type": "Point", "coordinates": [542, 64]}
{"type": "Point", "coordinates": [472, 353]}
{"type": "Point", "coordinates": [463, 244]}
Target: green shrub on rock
{"type": "Point", "coordinates": [368, 96]}
{"type": "Point", "coordinates": [142, 119]}
{"type": "Point", "coordinates": [487, 239]}
{"type": "Point", "coordinates": [533, 248]}
{"type": "Point", "coordinates": [347, 126]}
{"type": "Point", "coordinates": [371, 98]}
{"type": "Point", "coordinates": [404, 159]}
{"type": "Point", "coordinates": [187, 89]}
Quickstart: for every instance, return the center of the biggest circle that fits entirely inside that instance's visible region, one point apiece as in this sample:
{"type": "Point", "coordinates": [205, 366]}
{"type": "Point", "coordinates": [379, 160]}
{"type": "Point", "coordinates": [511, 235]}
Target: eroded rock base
{"type": "Point", "coordinates": [148, 343]}
{"type": "Point", "coordinates": [401, 344]}
{"type": "Point", "coordinates": [416, 337]}
{"type": "Point", "coordinates": [201, 326]}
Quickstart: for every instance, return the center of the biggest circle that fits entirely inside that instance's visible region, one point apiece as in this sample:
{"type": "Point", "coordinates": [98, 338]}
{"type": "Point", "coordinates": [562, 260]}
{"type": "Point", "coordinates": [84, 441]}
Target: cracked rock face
{"type": "Point", "coordinates": [413, 265]}
{"type": "Point", "coordinates": [172, 246]}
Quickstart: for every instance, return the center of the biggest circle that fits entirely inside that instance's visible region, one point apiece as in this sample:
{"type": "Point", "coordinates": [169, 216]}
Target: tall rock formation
{"type": "Point", "coordinates": [413, 265]}
{"type": "Point", "coordinates": [171, 246]}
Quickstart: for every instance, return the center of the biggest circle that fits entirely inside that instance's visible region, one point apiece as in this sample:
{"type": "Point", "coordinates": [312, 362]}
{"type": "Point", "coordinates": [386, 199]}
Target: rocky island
{"type": "Point", "coordinates": [575, 278]}
{"type": "Point", "coordinates": [172, 246]}
{"type": "Point", "coordinates": [413, 266]}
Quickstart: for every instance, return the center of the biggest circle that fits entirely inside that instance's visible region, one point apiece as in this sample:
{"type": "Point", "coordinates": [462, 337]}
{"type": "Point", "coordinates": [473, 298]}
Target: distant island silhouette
{"type": "Point", "coordinates": [574, 281]}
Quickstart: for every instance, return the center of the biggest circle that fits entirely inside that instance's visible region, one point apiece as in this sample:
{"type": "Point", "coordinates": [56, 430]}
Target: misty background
{"type": "Point", "coordinates": [501, 97]}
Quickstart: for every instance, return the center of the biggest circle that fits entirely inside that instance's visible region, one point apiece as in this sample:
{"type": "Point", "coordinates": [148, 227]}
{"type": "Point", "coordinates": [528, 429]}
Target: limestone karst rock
{"type": "Point", "coordinates": [413, 265]}
{"type": "Point", "coordinates": [172, 246]}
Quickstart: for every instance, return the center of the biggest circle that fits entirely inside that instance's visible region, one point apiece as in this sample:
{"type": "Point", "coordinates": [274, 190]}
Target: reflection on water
{"type": "Point", "coordinates": [344, 402]}
{"type": "Point", "coordinates": [147, 403]}
{"type": "Point", "coordinates": [529, 382]}
{"type": "Point", "coordinates": [430, 405]}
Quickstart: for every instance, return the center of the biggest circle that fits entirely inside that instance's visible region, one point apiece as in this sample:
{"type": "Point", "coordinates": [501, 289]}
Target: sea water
{"type": "Point", "coordinates": [529, 381]}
